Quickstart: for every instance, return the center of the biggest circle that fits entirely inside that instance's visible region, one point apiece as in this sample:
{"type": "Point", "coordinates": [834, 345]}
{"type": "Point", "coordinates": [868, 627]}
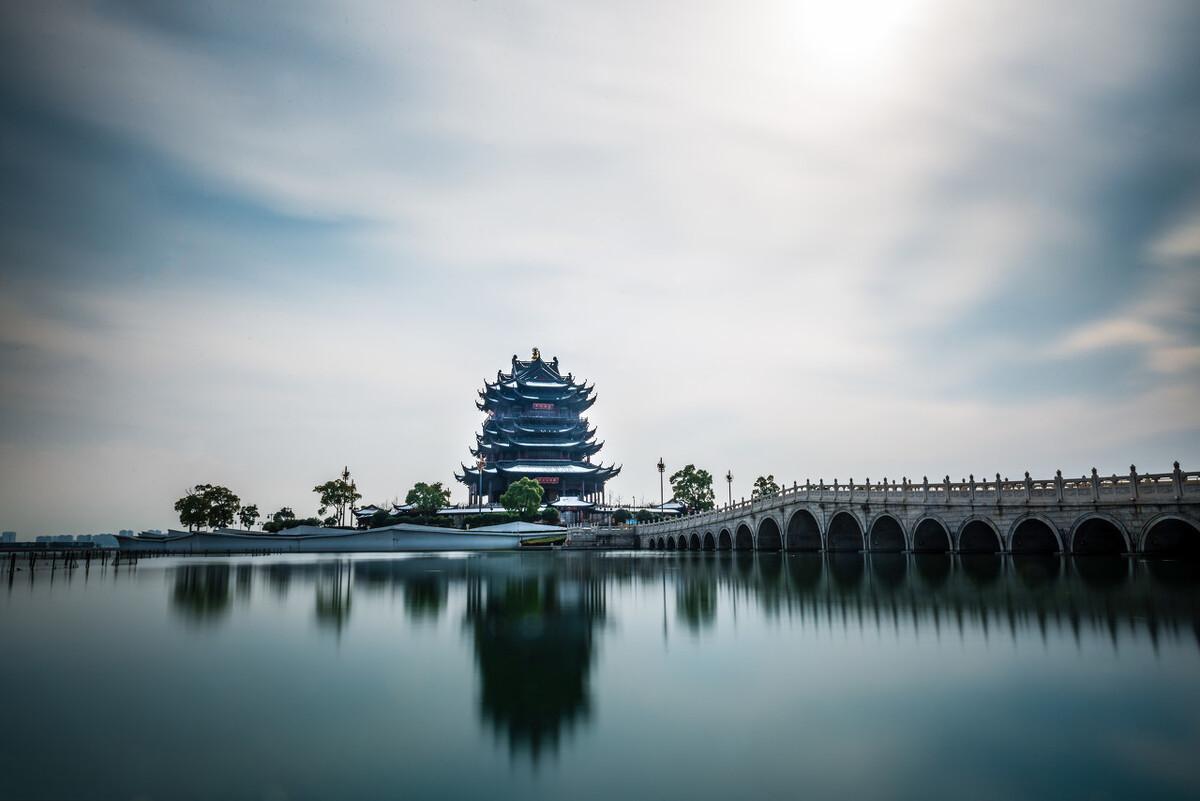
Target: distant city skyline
{"type": "Point", "coordinates": [248, 245]}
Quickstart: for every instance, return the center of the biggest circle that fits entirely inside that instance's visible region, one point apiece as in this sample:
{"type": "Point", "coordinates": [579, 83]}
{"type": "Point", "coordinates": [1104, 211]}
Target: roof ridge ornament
{"type": "Point", "coordinates": [537, 355]}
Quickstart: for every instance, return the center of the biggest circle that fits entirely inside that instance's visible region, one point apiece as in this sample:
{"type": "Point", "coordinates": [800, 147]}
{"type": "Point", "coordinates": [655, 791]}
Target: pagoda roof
{"type": "Point", "coordinates": [535, 374]}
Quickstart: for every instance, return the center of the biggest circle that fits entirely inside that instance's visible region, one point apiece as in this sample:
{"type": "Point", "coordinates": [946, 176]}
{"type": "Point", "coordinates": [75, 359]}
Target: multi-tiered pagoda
{"type": "Point", "coordinates": [535, 428]}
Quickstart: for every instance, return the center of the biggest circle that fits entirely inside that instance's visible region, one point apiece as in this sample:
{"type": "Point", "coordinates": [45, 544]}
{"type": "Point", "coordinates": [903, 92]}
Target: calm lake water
{"type": "Point", "coordinates": [575, 675]}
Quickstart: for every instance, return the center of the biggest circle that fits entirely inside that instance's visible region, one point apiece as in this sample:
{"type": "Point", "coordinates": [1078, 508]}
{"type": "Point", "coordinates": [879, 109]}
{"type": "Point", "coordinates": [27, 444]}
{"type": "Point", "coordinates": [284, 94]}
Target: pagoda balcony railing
{"type": "Point", "coordinates": [556, 417]}
{"type": "Point", "coordinates": [1175, 486]}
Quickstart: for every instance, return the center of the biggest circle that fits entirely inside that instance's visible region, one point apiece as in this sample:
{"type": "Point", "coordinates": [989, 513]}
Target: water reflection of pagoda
{"type": "Point", "coordinates": [535, 429]}
{"type": "Point", "coordinates": [534, 645]}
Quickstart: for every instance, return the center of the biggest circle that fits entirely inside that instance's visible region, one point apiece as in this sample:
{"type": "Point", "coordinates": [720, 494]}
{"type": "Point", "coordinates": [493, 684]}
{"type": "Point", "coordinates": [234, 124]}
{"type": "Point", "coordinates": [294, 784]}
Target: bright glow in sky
{"type": "Point", "coordinates": [250, 244]}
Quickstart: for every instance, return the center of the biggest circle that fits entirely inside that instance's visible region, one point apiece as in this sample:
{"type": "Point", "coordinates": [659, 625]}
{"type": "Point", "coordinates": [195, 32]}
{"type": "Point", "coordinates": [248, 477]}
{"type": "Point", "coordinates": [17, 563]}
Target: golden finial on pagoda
{"type": "Point", "coordinates": [537, 355]}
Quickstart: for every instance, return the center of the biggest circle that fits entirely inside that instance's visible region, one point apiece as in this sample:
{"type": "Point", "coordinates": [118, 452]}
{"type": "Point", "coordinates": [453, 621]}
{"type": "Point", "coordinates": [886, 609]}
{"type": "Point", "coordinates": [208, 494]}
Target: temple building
{"type": "Point", "coordinates": [535, 428]}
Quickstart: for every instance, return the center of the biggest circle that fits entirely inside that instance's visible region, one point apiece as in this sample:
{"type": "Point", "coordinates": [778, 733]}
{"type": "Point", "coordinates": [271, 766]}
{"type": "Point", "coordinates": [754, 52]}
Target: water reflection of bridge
{"type": "Point", "coordinates": [940, 591]}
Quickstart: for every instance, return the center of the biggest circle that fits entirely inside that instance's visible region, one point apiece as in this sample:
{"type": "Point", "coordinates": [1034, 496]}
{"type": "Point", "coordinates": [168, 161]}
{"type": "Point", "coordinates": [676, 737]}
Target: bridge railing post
{"type": "Point", "coordinates": [1058, 486]}
{"type": "Point", "coordinates": [971, 488]}
{"type": "Point", "coordinates": [925, 488]}
{"type": "Point", "coordinates": [1133, 484]}
{"type": "Point", "coordinates": [1177, 481]}
{"type": "Point", "coordinates": [1095, 485]}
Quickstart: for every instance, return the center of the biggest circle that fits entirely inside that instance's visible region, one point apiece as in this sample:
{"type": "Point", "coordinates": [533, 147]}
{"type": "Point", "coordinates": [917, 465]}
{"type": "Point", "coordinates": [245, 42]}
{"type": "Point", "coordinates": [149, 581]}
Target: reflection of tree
{"type": "Point", "coordinates": [333, 598]}
{"type": "Point", "coordinates": [533, 643]}
{"type": "Point", "coordinates": [279, 579]}
{"type": "Point", "coordinates": [201, 592]}
{"type": "Point", "coordinates": [696, 600]}
{"type": "Point", "coordinates": [243, 579]}
{"type": "Point", "coordinates": [425, 596]}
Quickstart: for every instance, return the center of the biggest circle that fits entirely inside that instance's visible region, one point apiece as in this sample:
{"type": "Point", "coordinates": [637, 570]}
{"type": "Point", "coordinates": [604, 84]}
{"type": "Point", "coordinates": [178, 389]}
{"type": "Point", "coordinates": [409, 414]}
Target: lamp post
{"type": "Point", "coordinates": [481, 464]}
{"type": "Point", "coordinates": [729, 485]}
{"type": "Point", "coordinates": [661, 497]}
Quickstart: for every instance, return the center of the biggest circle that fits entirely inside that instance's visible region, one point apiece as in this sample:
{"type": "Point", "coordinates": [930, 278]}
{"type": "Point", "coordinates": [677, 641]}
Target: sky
{"type": "Point", "coordinates": [251, 243]}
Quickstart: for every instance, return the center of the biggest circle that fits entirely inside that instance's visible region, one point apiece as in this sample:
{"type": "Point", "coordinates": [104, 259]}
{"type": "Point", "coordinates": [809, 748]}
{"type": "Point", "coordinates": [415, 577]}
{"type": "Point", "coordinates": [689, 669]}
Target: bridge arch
{"type": "Point", "coordinates": [931, 535]}
{"type": "Point", "coordinates": [694, 541]}
{"type": "Point", "coordinates": [744, 539]}
{"type": "Point", "coordinates": [768, 538]}
{"type": "Point", "coordinates": [845, 533]}
{"type": "Point", "coordinates": [1172, 536]}
{"type": "Point", "coordinates": [1098, 534]}
{"type": "Point", "coordinates": [710, 544]}
{"type": "Point", "coordinates": [886, 533]}
{"type": "Point", "coordinates": [671, 542]}
{"type": "Point", "coordinates": [803, 532]}
{"type": "Point", "coordinates": [724, 540]}
{"type": "Point", "coordinates": [1034, 534]}
{"type": "Point", "coordinates": [662, 544]}
{"type": "Point", "coordinates": [978, 535]}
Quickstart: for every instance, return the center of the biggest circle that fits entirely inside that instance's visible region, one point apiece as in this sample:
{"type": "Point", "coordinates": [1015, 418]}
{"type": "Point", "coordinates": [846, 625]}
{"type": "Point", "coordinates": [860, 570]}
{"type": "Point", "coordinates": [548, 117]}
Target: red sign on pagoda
{"type": "Point", "coordinates": [547, 479]}
{"type": "Point", "coordinates": [547, 407]}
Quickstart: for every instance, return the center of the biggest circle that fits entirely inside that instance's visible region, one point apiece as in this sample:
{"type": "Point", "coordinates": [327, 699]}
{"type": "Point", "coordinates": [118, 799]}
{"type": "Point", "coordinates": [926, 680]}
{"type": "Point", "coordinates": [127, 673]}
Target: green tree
{"type": "Point", "coordinates": [248, 515]}
{"type": "Point", "coordinates": [337, 496]}
{"type": "Point", "coordinates": [621, 516]}
{"type": "Point", "coordinates": [426, 499]}
{"type": "Point", "coordinates": [693, 488]}
{"type": "Point", "coordinates": [283, 515]}
{"type": "Point", "coordinates": [193, 509]}
{"type": "Point", "coordinates": [550, 515]}
{"type": "Point", "coordinates": [223, 507]}
{"type": "Point", "coordinates": [764, 487]}
{"type": "Point", "coordinates": [208, 505]}
{"type": "Point", "coordinates": [523, 496]}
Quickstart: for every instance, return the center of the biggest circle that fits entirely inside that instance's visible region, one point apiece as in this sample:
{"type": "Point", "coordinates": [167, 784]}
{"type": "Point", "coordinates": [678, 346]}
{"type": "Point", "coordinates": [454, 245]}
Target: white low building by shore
{"type": "Point", "coordinates": [314, 539]}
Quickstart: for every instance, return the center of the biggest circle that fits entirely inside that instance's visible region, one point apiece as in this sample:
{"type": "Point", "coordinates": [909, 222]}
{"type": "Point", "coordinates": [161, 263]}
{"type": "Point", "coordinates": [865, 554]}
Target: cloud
{"type": "Point", "coordinates": [791, 238]}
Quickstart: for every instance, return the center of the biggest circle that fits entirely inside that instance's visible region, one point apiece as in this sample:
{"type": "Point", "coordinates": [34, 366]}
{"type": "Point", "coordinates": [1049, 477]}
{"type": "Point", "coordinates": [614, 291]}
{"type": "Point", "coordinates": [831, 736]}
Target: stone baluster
{"type": "Point", "coordinates": [885, 491]}
{"type": "Point", "coordinates": [1058, 486]}
{"type": "Point", "coordinates": [1095, 485]}
{"type": "Point", "coordinates": [822, 486]}
{"type": "Point", "coordinates": [1028, 487]}
{"type": "Point", "coordinates": [850, 484]}
{"type": "Point", "coordinates": [946, 487]}
{"type": "Point", "coordinates": [971, 488]}
{"type": "Point", "coordinates": [807, 490]}
{"type": "Point", "coordinates": [1177, 480]}
{"type": "Point", "coordinates": [1133, 483]}
{"type": "Point", "coordinates": [904, 490]}
{"type": "Point", "coordinates": [925, 489]}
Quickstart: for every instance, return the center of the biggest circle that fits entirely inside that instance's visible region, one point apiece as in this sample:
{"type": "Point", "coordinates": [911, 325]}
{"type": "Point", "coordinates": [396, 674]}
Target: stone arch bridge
{"type": "Point", "coordinates": [1154, 514]}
